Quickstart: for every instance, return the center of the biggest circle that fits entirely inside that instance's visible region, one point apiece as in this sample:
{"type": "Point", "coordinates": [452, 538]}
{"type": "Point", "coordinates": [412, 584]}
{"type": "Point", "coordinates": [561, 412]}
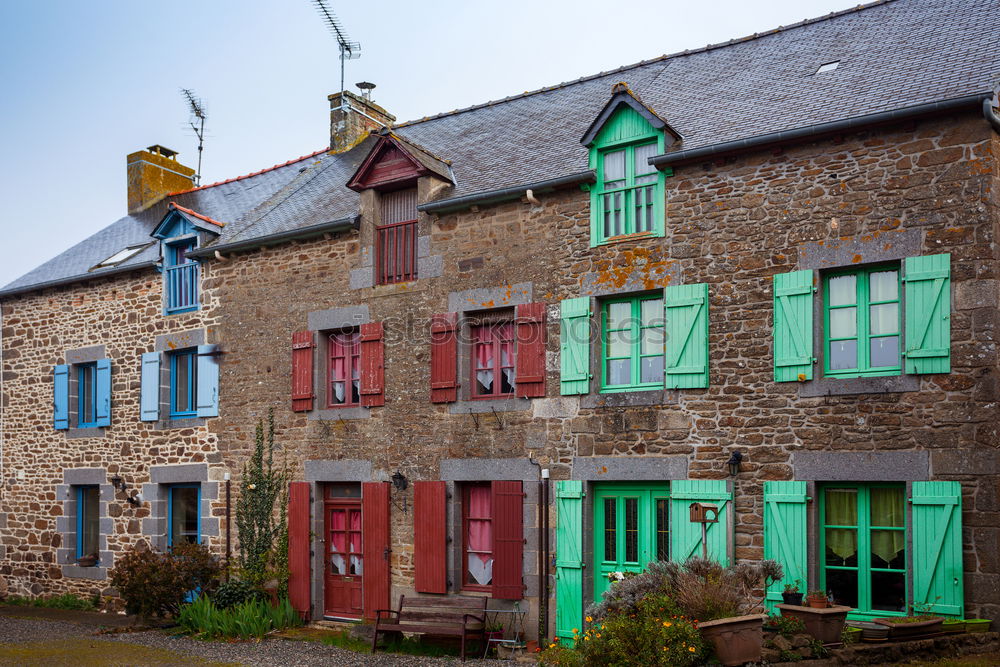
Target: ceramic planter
{"type": "Point", "coordinates": [977, 624]}
{"type": "Point", "coordinates": [818, 603]}
{"type": "Point", "coordinates": [953, 626]}
{"type": "Point", "coordinates": [904, 630]}
{"type": "Point", "coordinates": [792, 598]}
{"type": "Point", "coordinates": [824, 624]}
{"type": "Point", "coordinates": [87, 561]}
{"type": "Point", "coordinates": [736, 640]}
{"type": "Point", "coordinates": [871, 632]}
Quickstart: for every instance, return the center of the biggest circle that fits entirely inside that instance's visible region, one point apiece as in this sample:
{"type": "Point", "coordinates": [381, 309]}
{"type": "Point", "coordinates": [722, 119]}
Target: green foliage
{"type": "Point", "coordinates": [786, 626]}
{"type": "Point", "coordinates": [156, 584]}
{"type": "Point", "coordinates": [789, 656]}
{"type": "Point", "coordinates": [347, 641]}
{"type": "Point", "coordinates": [64, 601]}
{"type": "Point", "coordinates": [251, 619]}
{"type": "Point", "coordinates": [793, 587]}
{"type": "Point", "coordinates": [263, 542]}
{"type": "Point", "coordinates": [557, 655]}
{"type": "Point", "coordinates": [234, 592]}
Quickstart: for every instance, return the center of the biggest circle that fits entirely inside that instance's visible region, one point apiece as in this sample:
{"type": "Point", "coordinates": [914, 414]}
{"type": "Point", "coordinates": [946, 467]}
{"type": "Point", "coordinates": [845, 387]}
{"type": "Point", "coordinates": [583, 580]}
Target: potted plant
{"type": "Point", "coordinates": [977, 624]}
{"type": "Point", "coordinates": [494, 631]}
{"type": "Point", "coordinates": [911, 626]}
{"type": "Point", "coordinates": [953, 625]}
{"type": "Point", "coordinates": [90, 560]}
{"type": "Point", "coordinates": [817, 600]}
{"type": "Point", "coordinates": [792, 594]}
{"type": "Point", "coordinates": [825, 623]}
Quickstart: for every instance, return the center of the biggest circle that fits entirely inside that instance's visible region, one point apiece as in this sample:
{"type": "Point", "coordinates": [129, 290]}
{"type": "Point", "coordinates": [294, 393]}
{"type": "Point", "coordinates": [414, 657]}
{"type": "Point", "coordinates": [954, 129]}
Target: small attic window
{"type": "Point", "coordinates": [828, 67]}
{"type": "Point", "coordinates": [122, 255]}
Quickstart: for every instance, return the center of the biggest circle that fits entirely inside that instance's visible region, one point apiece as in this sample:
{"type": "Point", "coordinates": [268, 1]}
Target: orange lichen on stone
{"type": "Point", "coordinates": [855, 259]}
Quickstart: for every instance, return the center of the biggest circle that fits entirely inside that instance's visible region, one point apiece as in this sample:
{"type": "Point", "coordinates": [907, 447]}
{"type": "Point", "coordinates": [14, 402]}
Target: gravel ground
{"type": "Point", "coordinates": [271, 652]}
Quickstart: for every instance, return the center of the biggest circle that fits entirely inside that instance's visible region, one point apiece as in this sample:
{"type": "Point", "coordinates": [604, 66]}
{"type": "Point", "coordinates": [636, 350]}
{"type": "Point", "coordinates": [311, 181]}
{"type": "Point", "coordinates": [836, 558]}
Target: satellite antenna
{"type": "Point", "coordinates": [348, 50]}
{"type": "Point", "coordinates": [197, 123]}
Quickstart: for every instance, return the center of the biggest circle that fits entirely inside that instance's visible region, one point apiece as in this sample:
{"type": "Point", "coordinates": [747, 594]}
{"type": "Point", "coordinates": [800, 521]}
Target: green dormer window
{"type": "Point", "coordinates": [627, 200]}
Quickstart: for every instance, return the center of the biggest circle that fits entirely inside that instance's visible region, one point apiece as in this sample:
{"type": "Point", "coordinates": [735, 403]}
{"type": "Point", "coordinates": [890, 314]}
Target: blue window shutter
{"type": "Point", "coordinates": [60, 397]}
{"type": "Point", "coordinates": [103, 407]}
{"type": "Point", "coordinates": [207, 392]}
{"type": "Point", "coordinates": [150, 400]}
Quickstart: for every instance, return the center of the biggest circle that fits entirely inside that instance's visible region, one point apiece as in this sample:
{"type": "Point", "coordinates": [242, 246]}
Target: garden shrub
{"type": "Point", "coordinates": [251, 619]}
{"type": "Point", "coordinates": [156, 584]}
{"type": "Point", "coordinates": [235, 591]}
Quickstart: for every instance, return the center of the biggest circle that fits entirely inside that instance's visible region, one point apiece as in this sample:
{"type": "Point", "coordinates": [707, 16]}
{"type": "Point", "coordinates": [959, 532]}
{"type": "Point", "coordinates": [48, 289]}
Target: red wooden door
{"type": "Point", "coordinates": [344, 559]}
{"type": "Point", "coordinates": [375, 500]}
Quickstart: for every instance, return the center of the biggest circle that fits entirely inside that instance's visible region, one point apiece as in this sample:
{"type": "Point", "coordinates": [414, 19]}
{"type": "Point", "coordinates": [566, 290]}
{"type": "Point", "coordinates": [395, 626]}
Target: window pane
{"type": "Point", "coordinates": [619, 343]}
{"type": "Point", "coordinates": [651, 369]}
{"type": "Point", "coordinates": [182, 383]}
{"type": "Point", "coordinates": [632, 530]}
{"type": "Point", "coordinates": [883, 286]}
{"type": "Point", "coordinates": [89, 521]}
{"type": "Point", "coordinates": [614, 166]}
{"type": "Point", "coordinates": [86, 390]}
{"type": "Point", "coordinates": [610, 529]}
{"type": "Point", "coordinates": [888, 591]}
{"type": "Point", "coordinates": [843, 322]}
{"type": "Point", "coordinates": [888, 507]}
{"type": "Point", "coordinates": [507, 381]}
{"type": "Point", "coordinates": [888, 549]}
{"type": "Point", "coordinates": [841, 507]}
{"type": "Point", "coordinates": [843, 354]}
{"type": "Point", "coordinates": [619, 371]}
{"type": "Point", "coordinates": [843, 586]}
{"type": "Point", "coordinates": [841, 547]}
{"type": "Point", "coordinates": [184, 514]}
{"type": "Point", "coordinates": [662, 530]}
{"type": "Point", "coordinates": [883, 319]}
{"type": "Point", "coordinates": [652, 341]}
{"type": "Point", "coordinates": [619, 315]}
{"type": "Point", "coordinates": [843, 290]}
{"type": "Point", "coordinates": [884, 352]}
{"type": "Point", "coordinates": [652, 312]}
{"type": "Point", "coordinates": [642, 155]}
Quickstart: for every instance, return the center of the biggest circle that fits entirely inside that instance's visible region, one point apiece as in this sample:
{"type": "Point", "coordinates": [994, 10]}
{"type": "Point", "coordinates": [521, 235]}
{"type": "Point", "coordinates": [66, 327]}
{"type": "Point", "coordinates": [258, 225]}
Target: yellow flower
{"type": "Point", "coordinates": [667, 624]}
{"type": "Point", "coordinates": [575, 631]}
{"type": "Point", "coordinates": [598, 634]}
{"type": "Point", "coordinates": [552, 645]}
{"type": "Point", "coordinates": [589, 619]}
{"type": "Point", "coordinates": [586, 639]}
{"type": "Point", "coordinates": [691, 648]}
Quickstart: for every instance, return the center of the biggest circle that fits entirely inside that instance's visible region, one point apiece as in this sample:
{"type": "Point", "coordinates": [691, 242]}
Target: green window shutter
{"type": "Point", "coordinates": [686, 312]}
{"type": "Point", "coordinates": [937, 548]}
{"type": "Point", "coordinates": [793, 326]}
{"type": "Point", "coordinates": [685, 536]}
{"type": "Point", "coordinates": [785, 535]}
{"type": "Point", "coordinates": [569, 558]}
{"type": "Point", "coordinates": [928, 314]}
{"type": "Point", "coordinates": [574, 345]}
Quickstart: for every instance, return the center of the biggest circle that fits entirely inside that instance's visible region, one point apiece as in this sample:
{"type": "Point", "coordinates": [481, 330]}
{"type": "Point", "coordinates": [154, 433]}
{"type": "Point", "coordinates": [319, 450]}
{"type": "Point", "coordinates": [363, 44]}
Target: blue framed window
{"type": "Point", "coordinates": [88, 521]}
{"type": "Point", "coordinates": [184, 383]}
{"type": "Point", "coordinates": [180, 275]}
{"type": "Point", "coordinates": [183, 514]}
{"type": "Point", "coordinates": [86, 376]}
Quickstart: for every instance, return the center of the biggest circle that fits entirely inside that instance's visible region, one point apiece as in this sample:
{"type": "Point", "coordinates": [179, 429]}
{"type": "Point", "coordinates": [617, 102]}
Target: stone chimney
{"type": "Point", "coordinates": [153, 174]}
{"type": "Point", "coordinates": [348, 127]}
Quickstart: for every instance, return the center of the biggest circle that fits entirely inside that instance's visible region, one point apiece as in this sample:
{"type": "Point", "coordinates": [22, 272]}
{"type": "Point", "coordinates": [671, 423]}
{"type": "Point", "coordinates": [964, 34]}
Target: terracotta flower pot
{"type": "Point", "coordinates": [736, 640]}
{"type": "Point", "coordinates": [824, 624]}
{"type": "Point", "coordinates": [87, 561]}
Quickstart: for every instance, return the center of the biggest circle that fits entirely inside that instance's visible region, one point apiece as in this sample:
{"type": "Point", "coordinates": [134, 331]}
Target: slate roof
{"type": "Point", "coordinates": [893, 54]}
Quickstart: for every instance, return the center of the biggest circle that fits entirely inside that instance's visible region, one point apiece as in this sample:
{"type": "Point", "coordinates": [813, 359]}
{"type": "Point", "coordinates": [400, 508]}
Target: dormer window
{"type": "Point", "coordinates": [180, 232]}
{"type": "Point", "coordinates": [627, 201]}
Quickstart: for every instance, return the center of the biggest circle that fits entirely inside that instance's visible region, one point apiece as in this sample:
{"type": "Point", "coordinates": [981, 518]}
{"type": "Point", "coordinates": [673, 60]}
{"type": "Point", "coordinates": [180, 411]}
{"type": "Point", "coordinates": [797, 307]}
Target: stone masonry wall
{"type": "Point", "coordinates": [732, 223]}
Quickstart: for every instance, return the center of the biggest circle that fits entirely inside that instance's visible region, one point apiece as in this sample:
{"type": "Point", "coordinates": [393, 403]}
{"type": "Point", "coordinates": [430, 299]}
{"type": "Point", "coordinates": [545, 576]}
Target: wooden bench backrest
{"type": "Point", "coordinates": [439, 611]}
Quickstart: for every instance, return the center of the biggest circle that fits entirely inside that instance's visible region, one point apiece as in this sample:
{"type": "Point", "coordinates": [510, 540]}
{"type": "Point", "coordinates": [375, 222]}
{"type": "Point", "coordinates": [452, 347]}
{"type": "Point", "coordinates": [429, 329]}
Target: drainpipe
{"type": "Point", "coordinates": [991, 115]}
{"type": "Point", "coordinates": [543, 560]}
{"type": "Point", "coordinates": [229, 531]}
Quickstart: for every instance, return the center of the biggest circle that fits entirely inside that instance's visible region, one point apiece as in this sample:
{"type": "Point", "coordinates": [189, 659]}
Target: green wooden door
{"type": "Point", "coordinates": [631, 529]}
{"type": "Point", "coordinates": [569, 558]}
{"type": "Point", "coordinates": [685, 540]}
{"type": "Point", "coordinates": [785, 535]}
{"type": "Point", "coordinates": [937, 548]}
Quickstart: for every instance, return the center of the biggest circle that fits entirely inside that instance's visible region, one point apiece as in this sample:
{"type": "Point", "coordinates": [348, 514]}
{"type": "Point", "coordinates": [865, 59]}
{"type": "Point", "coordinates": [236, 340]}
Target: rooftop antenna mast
{"type": "Point", "coordinates": [197, 122]}
{"type": "Point", "coordinates": [348, 50]}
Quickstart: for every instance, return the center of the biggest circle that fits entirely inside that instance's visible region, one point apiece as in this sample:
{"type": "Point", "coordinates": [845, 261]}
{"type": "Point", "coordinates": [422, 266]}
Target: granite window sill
{"type": "Point", "coordinates": [187, 422]}
{"type": "Point", "coordinates": [883, 384]}
{"type": "Point", "coordinates": [86, 432]}
{"type": "Point", "coordinates": [624, 399]}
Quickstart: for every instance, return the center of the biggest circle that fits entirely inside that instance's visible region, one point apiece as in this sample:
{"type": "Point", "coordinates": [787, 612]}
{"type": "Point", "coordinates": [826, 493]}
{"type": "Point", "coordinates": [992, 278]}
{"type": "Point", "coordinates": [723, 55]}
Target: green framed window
{"type": "Point", "coordinates": [632, 339]}
{"type": "Point", "coordinates": [862, 322]}
{"type": "Point", "coordinates": [863, 547]}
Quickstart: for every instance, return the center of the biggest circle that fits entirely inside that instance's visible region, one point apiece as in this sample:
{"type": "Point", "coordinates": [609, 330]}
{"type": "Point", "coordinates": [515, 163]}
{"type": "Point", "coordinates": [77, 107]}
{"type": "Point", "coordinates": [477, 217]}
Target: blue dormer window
{"type": "Point", "coordinates": [180, 276]}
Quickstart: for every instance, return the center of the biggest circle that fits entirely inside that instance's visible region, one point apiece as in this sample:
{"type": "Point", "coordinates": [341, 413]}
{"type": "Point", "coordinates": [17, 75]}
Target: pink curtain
{"type": "Point", "coordinates": [338, 541]}
{"type": "Point", "coordinates": [480, 538]}
{"type": "Point", "coordinates": [356, 567]}
{"type": "Point", "coordinates": [484, 358]}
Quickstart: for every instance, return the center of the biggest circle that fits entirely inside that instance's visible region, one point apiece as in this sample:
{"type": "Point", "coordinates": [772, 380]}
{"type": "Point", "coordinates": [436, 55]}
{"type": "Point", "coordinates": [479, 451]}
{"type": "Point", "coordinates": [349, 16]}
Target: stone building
{"type": "Point", "coordinates": [509, 346]}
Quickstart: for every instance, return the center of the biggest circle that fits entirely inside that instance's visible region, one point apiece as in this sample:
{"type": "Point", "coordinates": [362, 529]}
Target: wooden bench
{"type": "Point", "coordinates": [453, 616]}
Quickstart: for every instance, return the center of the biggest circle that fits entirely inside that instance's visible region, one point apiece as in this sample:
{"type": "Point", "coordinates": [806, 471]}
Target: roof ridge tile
{"type": "Point", "coordinates": [250, 175]}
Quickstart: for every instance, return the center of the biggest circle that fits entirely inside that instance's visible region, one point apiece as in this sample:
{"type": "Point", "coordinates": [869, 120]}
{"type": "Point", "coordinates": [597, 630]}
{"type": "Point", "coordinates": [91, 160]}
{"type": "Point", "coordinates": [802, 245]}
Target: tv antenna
{"type": "Point", "coordinates": [348, 50]}
{"type": "Point", "coordinates": [197, 122]}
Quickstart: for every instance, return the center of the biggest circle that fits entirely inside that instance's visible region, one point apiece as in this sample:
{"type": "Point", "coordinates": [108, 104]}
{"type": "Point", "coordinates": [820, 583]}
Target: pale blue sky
{"type": "Point", "coordinates": [86, 82]}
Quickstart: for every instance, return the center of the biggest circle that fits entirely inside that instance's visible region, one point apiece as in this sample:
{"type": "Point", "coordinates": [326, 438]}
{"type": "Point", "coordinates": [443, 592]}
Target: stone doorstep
{"type": "Point", "coordinates": [891, 653]}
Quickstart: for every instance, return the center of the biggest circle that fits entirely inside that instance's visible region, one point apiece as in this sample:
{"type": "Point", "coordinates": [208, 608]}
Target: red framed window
{"type": "Point", "coordinates": [493, 360]}
{"type": "Point", "coordinates": [477, 536]}
{"type": "Point", "coordinates": [344, 369]}
{"type": "Point", "coordinates": [396, 238]}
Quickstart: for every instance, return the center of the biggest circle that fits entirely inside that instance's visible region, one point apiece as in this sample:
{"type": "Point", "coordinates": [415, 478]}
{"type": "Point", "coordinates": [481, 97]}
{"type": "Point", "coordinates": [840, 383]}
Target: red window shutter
{"type": "Point", "coordinates": [372, 365]}
{"type": "Point", "coordinates": [530, 373]}
{"type": "Point", "coordinates": [444, 358]}
{"type": "Point", "coordinates": [508, 540]}
{"type": "Point", "coordinates": [375, 546]}
{"type": "Point", "coordinates": [429, 539]}
{"type": "Point", "coordinates": [302, 371]}
{"type": "Point", "coordinates": [299, 577]}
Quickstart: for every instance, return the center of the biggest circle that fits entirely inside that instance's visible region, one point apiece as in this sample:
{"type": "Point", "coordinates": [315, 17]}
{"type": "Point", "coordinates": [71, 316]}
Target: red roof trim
{"type": "Point", "coordinates": [256, 173]}
{"type": "Point", "coordinates": [196, 214]}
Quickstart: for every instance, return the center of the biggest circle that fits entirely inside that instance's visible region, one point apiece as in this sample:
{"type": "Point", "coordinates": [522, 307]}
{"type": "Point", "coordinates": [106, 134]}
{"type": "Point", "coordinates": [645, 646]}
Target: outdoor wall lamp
{"type": "Point", "coordinates": [734, 463]}
{"type": "Point", "coordinates": [399, 481]}
{"type": "Point", "coordinates": [116, 482]}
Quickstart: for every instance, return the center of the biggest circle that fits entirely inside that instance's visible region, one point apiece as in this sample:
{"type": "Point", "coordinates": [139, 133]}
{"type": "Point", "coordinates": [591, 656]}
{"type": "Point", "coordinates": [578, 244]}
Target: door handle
{"type": "Point", "coordinates": [385, 553]}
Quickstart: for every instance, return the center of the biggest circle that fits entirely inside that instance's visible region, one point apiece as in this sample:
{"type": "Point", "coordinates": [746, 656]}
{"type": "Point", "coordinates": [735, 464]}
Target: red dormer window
{"type": "Point", "coordinates": [396, 238]}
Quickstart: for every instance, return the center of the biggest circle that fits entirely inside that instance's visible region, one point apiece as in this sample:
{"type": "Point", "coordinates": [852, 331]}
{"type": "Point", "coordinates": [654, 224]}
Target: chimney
{"type": "Point", "coordinates": [153, 174]}
{"type": "Point", "coordinates": [348, 127]}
